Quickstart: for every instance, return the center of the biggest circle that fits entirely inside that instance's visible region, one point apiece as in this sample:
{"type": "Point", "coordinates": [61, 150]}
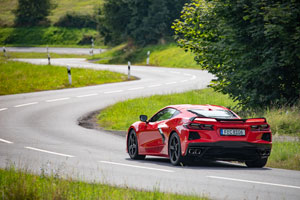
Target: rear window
{"type": "Point", "coordinates": [220, 114]}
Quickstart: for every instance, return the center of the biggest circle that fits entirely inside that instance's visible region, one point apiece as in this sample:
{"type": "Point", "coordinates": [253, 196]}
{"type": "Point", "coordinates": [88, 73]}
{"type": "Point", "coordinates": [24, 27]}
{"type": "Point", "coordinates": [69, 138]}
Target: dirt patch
{"type": "Point", "coordinates": [89, 121]}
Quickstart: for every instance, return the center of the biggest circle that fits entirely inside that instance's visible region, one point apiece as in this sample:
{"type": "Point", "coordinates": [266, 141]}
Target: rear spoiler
{"type": "Point", "coordinates": [250, 120]}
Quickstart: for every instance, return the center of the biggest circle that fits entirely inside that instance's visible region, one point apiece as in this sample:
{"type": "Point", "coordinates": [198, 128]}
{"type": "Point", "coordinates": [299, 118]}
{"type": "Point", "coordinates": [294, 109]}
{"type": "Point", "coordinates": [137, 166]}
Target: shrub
{"type": "Point", "coordinates": [77, 20]}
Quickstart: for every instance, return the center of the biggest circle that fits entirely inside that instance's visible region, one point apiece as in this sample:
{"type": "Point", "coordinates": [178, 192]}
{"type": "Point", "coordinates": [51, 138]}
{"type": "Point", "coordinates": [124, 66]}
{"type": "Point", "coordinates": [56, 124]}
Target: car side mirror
{"type": "Point", "coordinates": [143, 118]}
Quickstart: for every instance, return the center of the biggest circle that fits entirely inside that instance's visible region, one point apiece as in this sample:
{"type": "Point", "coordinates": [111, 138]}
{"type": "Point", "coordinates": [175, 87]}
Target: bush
{"type": "Point", "coordinates": [252, 47]}
{"type": "Point", "coordinates": [33, 12]}
{"type": "Point", "coordinates": [77, 20]}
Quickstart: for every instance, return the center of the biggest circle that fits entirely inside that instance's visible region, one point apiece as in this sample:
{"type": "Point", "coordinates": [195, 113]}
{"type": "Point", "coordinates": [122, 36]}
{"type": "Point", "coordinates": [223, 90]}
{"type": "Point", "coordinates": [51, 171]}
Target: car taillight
{"type": "Point", "coordinates": [197, 126]}
{"type": "Point", "coordinates": [262, 127]}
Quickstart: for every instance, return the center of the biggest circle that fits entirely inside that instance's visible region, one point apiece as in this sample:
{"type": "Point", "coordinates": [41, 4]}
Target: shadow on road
{"type": "Point", "coordinates": [201, 164]}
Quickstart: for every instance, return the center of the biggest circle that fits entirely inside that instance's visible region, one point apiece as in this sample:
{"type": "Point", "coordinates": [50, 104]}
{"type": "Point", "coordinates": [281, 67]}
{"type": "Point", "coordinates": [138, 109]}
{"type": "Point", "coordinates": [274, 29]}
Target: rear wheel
{"type": "Point", "coordinates": [259, 163]}
{"type": "Point", "coordinates": [132, 147]}
{"type": "Point", "coordinates": [175, 150]}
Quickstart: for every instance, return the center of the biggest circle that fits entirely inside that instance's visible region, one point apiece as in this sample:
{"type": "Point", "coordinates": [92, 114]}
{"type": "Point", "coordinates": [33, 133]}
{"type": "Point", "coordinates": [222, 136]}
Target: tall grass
{"type": "Point", "coordinates": [17, 184]}
{"type": "Point", "coordinates": [285, 155]}
{"type": "Point", "coordinates": [121, 115]}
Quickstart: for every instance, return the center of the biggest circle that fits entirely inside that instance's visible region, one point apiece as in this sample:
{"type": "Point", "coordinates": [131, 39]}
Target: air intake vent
{"type": "Point", "coordinates": [266, 137]}
{"type": "Point", "coordinates": [194, 135]}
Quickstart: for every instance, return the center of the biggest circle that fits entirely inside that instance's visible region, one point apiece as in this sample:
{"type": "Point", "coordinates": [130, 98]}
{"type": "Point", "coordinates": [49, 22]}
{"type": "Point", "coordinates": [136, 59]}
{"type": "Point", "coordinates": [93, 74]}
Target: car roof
{"type": "Point", "coordinates": [192, 106]}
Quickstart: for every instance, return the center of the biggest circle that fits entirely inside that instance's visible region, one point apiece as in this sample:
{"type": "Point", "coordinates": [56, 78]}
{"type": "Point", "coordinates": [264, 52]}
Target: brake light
{"type": "Point", "coordinates": [197, 126]}
{"type": "Point", "coordinates": [205, 119]}
{"type": "Point", "coordinates": [262, 127]}
{"type": "Point", "coordinates": [256, 120]}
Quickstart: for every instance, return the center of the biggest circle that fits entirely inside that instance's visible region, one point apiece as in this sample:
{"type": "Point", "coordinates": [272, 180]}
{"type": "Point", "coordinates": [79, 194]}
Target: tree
{"type": "Point", "coordinates": [33, 12]}
{"type": "Point", "coordinates": [252, 46]}
{"type": "Point", "coordinates": [141, 21]}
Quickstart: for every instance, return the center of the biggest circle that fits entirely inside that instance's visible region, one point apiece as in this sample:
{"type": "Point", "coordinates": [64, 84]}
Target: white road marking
{"type": "Point", "coordinates": [187, 74]}
{"type": "Point", "coordinates": [6, 141]}
{"type": "Point", "coordinates": [183, 81]}
{"type": "Point", "coordinates": [116, 91]}
{"type": "Point", "coordinates": [88, 95]}
{"type": "Point", "coordinates": [61, 99]}
{"type": "Point", "coordinates": [170, 83]}
{"type": "Point", "coordinates": [2, 109]}
{"type": "Point", "coordinates": [26, 104]}
{"type": "Point", "coordinates": [194, 77]}
{"type": "Point", "coordinates": [137, 88]}
{"type": "Point", "coordinates": [50, 152]}
{"type": "Point", "coordinates": [136, 166]}
{"type": "Point", "coordinates": [256, 182]}
{"type": "Point", "coordinates": [150, 86]}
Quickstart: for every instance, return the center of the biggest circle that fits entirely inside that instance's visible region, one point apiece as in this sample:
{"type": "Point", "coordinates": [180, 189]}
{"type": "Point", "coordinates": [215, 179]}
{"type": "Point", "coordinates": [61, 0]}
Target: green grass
{"type": "Point", "coordinates": [285, 155]}
{"type": "Point", "coordinates": [13, 55]}
{"type": "Point", "coordinates": [52, 36]}
{"type": "Point", "coordinates": [18, 77]}
{"type": "Point", "coordinates": [16, 184]}
{"type": "Point", "coordinates": [121, 115]}
{"type": "Point", "coordinates": [169, 55]}
{"type": "Point", "coordinates": [63, 6]}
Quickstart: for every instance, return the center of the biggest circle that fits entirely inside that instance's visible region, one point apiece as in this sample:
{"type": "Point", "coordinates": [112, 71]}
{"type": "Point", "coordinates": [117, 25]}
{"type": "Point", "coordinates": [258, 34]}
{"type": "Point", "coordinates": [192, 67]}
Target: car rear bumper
{"type": "Point", "coordinates": [229, 150]}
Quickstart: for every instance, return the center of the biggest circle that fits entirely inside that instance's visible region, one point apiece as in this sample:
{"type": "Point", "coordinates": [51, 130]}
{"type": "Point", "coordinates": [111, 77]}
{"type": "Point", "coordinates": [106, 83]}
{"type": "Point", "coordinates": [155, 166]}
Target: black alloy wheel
{"type": "Point", "coordinates": [132, 145]}
{"type": "Point", "coordinates": [175, 150]}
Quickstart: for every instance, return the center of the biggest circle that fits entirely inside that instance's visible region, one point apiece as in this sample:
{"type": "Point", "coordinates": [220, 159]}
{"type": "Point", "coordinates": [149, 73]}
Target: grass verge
{"type": "Point", "coordinates": [52, 36]}
{"type": "Point", "coordinates": [285, 155]}
{"type": "Point", "coordinates": [12, 55]}
{"type": "Point", "coordinates": [16, 184]}
{"type": "Point", "coordinates": [169, 55]}
{"type": "Point", "coordinates": [19, 77]}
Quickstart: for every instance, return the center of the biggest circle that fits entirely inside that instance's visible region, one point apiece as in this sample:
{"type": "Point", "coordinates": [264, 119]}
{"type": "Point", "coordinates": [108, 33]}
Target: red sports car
{"type": "Point", "coordinates": [183, 132]}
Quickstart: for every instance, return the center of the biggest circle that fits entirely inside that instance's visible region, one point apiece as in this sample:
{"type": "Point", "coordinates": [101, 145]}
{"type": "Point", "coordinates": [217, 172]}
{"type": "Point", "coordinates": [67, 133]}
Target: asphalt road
{"type": "Point", "coordinates": [40, 131]}
{"type": "Point", "coordinates": [83, 51]}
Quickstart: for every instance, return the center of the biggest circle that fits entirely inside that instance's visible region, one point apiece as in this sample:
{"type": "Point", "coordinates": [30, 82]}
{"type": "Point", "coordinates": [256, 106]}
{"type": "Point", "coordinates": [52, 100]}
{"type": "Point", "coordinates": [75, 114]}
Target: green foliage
{"type": "Point", "coordinates": [45, 36]}
{"type": "Point", "coordinates": [33, 12]}
{"type": "Point", "coordinates": [22, 184]}
{"type": "Point", "coordinates": [142, 22]}
{"type": "Point", "coordinates": [77, 20]}
{"type": "Point", "coordinates": [251, 46]}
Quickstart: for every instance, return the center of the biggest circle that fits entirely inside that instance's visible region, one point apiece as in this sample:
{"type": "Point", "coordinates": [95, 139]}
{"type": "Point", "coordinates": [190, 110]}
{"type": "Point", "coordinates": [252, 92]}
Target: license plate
{"type": "Point", "coordinates": [233, 132]}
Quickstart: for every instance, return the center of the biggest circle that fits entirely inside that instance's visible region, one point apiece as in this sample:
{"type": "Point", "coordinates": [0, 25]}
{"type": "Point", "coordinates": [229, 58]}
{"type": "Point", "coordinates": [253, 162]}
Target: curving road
{"type": "Point", "coordinates": [40, 131]}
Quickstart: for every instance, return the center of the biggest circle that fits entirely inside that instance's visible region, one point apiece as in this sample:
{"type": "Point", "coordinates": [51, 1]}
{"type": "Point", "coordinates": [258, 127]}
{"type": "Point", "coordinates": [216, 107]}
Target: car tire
{"type": "Point", "coordinates": [174, 149]}
{"type": "Point", "coordinates": [259, 163]}
{"type": "Point", "coordinates": [132, 147]}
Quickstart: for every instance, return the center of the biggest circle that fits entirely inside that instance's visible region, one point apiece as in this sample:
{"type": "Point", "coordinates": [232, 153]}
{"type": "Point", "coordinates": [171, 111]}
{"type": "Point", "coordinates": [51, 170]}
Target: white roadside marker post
{"type": "Point", "coordinates": [48, 54]}
{"type": "Point", "coordinates": [148, 57]}
{"type": "Point", "coordinates": [92, 50]}
{"type": "Point", "coordinates": [129, 65]}
{"type": "Point", "coordinates": [69, 74]}
{"type": "Point", "coordinates": [4, 52]}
